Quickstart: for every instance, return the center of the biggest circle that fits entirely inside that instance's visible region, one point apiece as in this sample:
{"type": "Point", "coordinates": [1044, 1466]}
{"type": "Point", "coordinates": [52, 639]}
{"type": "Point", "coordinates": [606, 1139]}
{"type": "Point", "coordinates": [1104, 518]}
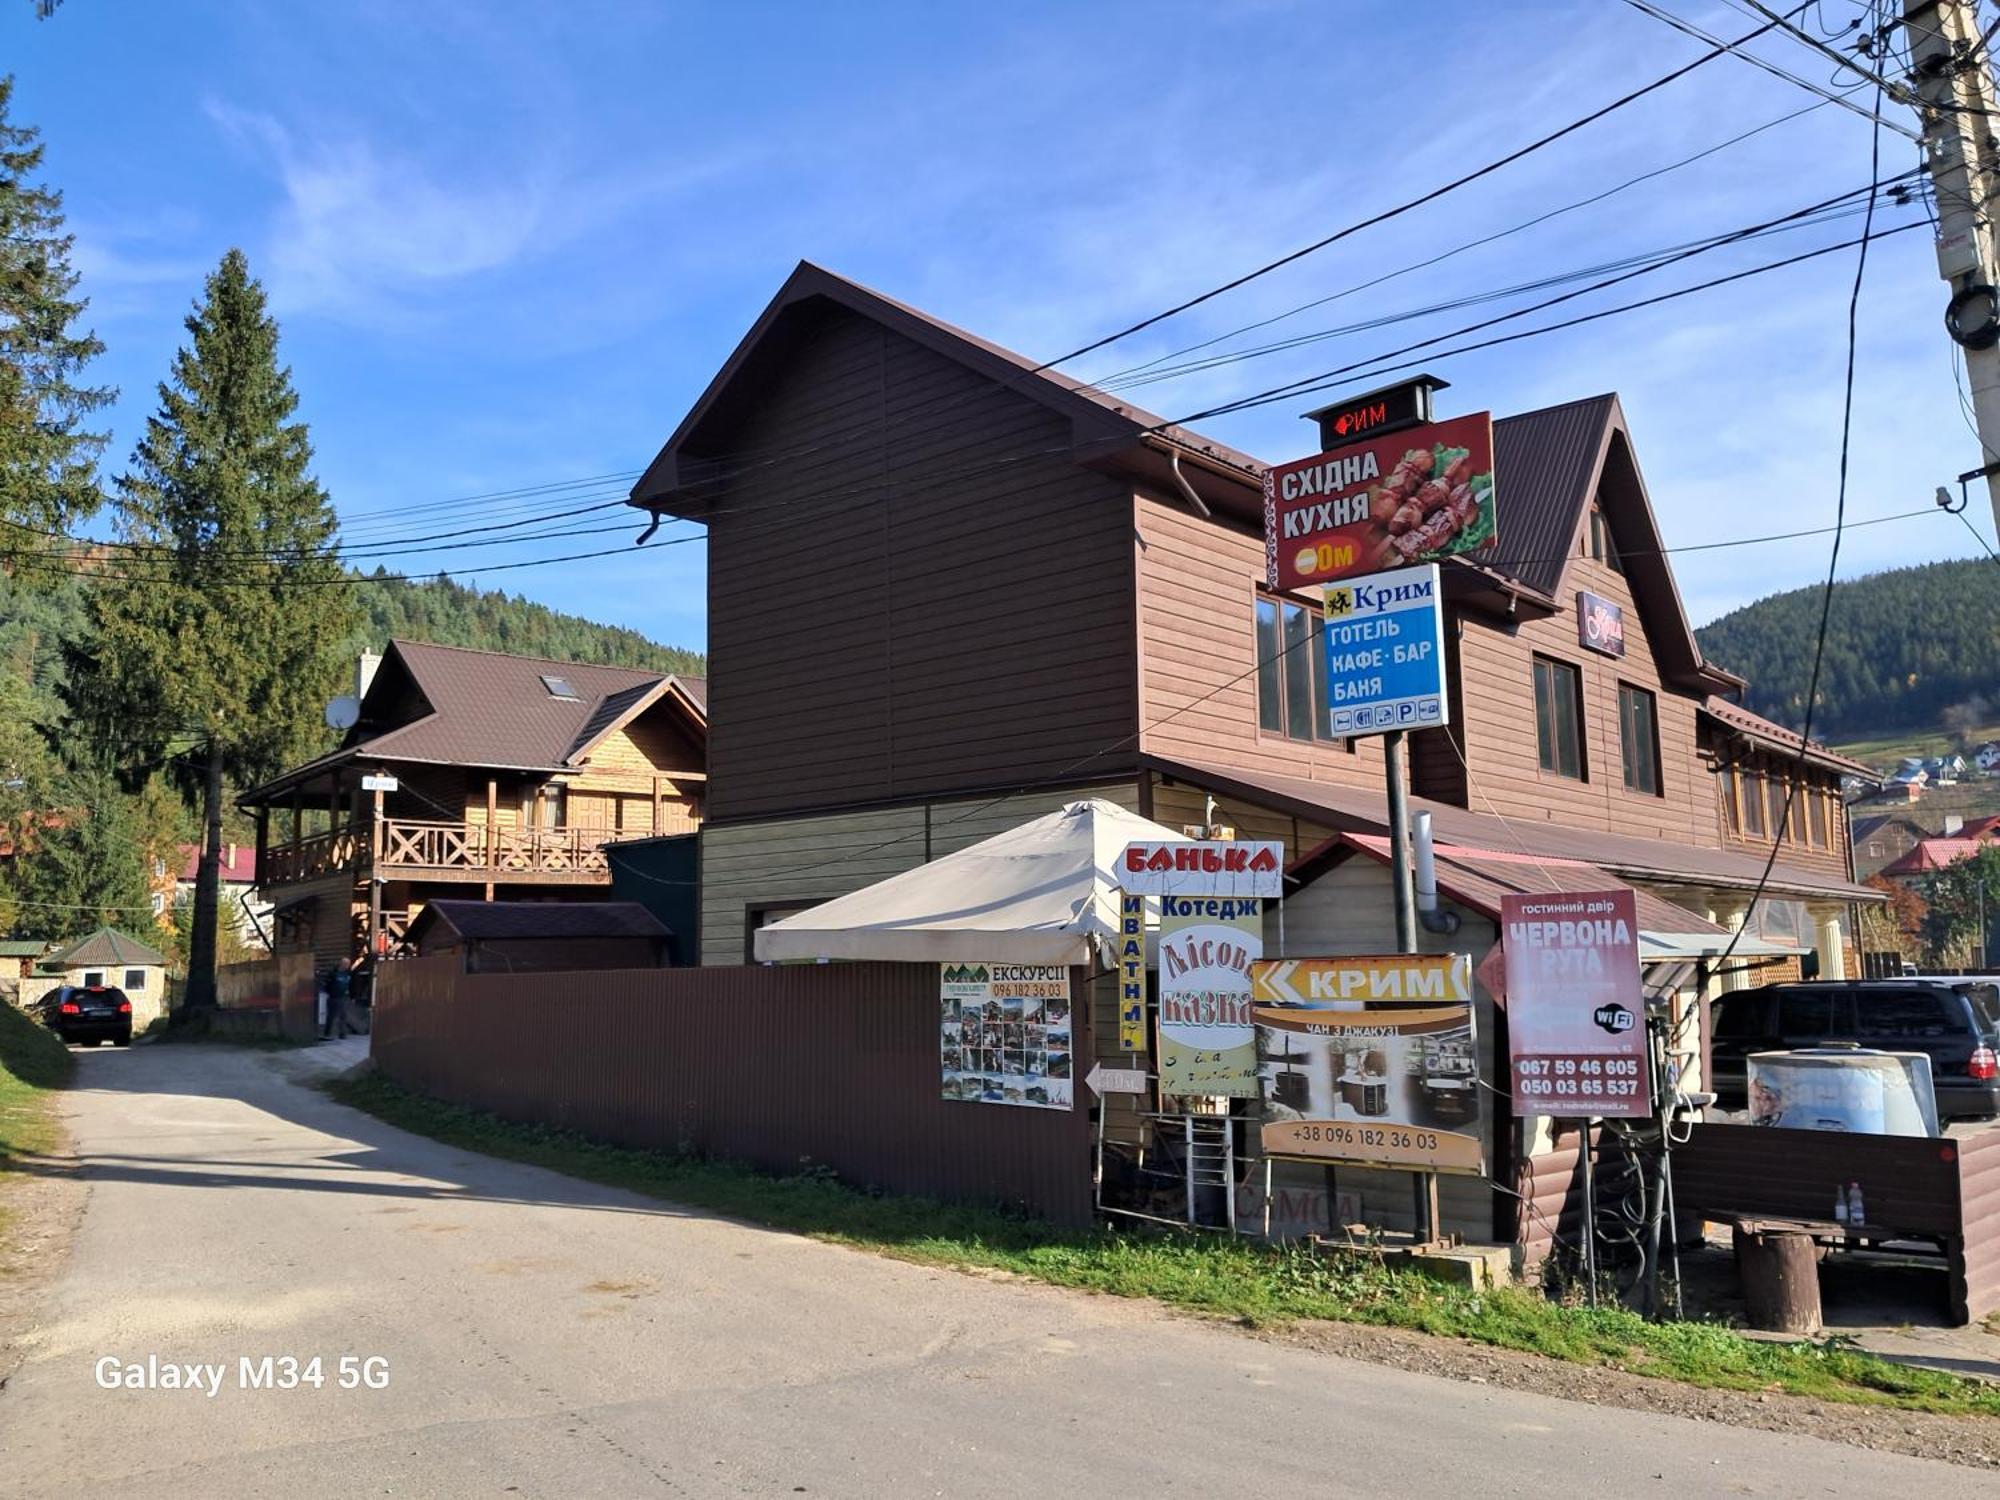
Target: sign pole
{"type": "Point", "coordinates": [1395, 758]}
{"type": "Point", "coordinates": [1589, 1211]}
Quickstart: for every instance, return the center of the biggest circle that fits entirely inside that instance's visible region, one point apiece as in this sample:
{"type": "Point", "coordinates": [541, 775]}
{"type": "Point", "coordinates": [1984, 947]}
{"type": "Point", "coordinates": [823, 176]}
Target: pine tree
{"type": "Point", "coordinates": [48, 459]}
{"type": "Point", "coordinates": [226, 620]}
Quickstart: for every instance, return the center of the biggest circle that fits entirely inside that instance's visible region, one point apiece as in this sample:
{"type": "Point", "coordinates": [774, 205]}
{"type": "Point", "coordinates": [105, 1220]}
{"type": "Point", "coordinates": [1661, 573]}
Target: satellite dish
{"type": "Point", "coordinates": [343, 712]}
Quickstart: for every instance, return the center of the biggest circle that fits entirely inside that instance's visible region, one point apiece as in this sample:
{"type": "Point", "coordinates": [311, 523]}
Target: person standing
{"type": "Point", "coordinates": [340, 991]}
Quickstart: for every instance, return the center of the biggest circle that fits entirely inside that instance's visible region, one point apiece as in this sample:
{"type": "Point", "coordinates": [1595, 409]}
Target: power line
{"type": "Point", "coordinates": [1461, 249]}
{"type": "Point", "coordinates": [1833, 558]}
{"type": "Point", "coordinates": [1735, 48]}
{"type": "Point", "coordinates": [1402, 208]}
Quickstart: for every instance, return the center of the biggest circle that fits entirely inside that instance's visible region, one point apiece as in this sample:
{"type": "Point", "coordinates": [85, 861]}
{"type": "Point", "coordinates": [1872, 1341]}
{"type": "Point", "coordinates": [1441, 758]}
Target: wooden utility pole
{"type": "Point", "coordinates": [1952, 72]}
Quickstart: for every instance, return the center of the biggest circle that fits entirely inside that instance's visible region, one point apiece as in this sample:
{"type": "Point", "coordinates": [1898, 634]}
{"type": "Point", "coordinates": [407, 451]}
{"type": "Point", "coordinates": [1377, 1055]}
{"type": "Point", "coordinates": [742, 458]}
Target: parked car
{"type": "Point", "coordinates": [1955, 1021]}
{"type": "Point", "coordinates": [89, 1013]}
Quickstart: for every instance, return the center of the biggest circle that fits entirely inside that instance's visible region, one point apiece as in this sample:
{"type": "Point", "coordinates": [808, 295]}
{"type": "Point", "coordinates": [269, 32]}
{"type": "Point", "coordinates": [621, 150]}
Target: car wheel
{"type": "Point", "coordinates": [122, 1041]}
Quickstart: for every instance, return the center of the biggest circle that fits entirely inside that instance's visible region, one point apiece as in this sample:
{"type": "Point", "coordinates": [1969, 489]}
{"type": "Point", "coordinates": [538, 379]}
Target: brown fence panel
{"type": "Point", "coordinates": [1909, 1182]}
{"type": "Point", "coordinates": [1976, 1261]}
{"type": "Point", "coordinates": [252, 985]}
{"type": "Point", "coordinates": [832, 1065]}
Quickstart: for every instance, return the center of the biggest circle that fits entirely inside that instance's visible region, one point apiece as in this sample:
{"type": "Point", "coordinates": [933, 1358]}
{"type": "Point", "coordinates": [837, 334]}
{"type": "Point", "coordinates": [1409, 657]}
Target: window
{"type": "Point", "coordinates": [1558, 730]}
{"type": "Point", "coordinates": [1775, 785]}
{"type": "Point", "coordinates": [1750, 798]}
{"type": "Point", "coordinates": [159, 904]}
{"type": "Point", "coordinates": [1804, 1014]}
{"type": "Point", "coordinates": [1907, 1016]}
{"type": "Point", "coordinates": [1601, 547]}
{"type": "Point", "coordinates": [1639, 734]}
{"type": "Point", "coordinates": [558, 687]}
{"type": "Point", "coordinates": [1820, 820]}
{"type": "Point", "coordinates": [93, 979]}
{"type": "Point", "coordinates": [1291, 680]}
{"type": "Point", "coordinates": [135, 979]}
{"type": "Point", "coordinates": [1732, 788]}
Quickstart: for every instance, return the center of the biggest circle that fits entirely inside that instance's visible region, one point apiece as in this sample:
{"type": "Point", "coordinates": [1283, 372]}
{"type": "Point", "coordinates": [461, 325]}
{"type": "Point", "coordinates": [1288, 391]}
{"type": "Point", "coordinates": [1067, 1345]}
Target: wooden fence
{"type": "Point", "coordinates": [782, 1068]}
{"type": "Point", "coordinates": [286, 983]}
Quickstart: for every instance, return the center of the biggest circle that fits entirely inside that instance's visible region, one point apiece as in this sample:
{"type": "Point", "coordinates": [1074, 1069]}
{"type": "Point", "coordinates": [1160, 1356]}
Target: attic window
{"type": "Point", "coordinates": [1600, 541]}
{"type": "Point", "coordinates": [559, 687]}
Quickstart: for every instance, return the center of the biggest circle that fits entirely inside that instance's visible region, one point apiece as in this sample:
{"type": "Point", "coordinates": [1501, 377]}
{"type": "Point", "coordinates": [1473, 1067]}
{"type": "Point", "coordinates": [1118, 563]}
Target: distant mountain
{"type": "Point", "coordinates": [1902, 648]}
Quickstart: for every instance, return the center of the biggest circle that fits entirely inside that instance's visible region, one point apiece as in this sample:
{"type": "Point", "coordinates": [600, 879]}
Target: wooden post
{"type": "Point", "coordinates": [263, 842]}
{"type": "Point", "coordinates": [298, 815]}
{"type": "Point", "coordinates": [659, 808]}
{"type": "Point", "coordinates": [492, 828]}
{"type": "Point", "coordinates": [375, 885]}
{"type": "Point", "coordinates": [1780, 1272]}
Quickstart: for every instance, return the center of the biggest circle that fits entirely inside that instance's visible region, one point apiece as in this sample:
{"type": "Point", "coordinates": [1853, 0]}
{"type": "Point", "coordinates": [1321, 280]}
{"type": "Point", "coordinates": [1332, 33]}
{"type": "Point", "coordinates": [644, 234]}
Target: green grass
{"type": "Point", "coordinates": [33, 1065]}
{"type": "Point", "coordinates": [1203, 1273]}
{"type": "Point", "coordinates": [1885, 751]}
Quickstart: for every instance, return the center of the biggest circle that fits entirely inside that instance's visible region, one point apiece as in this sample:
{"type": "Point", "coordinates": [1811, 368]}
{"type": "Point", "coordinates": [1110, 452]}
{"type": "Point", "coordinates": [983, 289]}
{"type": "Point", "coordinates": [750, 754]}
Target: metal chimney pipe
{"type": "Point", "coordinates": [1427, 881]}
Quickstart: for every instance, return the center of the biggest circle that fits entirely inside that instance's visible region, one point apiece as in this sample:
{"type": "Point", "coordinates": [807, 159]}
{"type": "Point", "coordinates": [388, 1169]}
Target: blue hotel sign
{"type": "Point", "coordinates": [1385, 652]}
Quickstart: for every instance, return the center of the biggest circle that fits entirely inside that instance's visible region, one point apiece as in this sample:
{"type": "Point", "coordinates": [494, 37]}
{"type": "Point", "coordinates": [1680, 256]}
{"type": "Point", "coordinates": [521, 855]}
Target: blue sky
{"type": "Point", "coordinates": [509, 242]}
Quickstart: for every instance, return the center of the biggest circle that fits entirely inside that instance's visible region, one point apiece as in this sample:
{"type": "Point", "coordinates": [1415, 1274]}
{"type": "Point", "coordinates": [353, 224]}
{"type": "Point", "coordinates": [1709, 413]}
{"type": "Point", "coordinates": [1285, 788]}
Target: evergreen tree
{"type": "Point", "coordinates": [48, 459]}
{"type": "Point", "coordinates": [226, 619]}
{"type": "Point", "coordinates": [78, 863]}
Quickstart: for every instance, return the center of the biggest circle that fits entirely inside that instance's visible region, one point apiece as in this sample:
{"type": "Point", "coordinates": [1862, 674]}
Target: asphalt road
{"type": "Point", "coordinates": [545, 1337]}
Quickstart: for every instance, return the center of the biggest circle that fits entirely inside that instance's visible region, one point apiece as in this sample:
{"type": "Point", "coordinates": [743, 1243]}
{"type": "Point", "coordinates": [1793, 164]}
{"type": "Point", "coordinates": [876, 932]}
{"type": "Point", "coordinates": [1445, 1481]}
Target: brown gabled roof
{"type": "Point", "coordinates": [1755, 727]}
{"type": "Point", "coordinates": [490, 920]}
{"type": "Point", "coordinates": [1551, 461]}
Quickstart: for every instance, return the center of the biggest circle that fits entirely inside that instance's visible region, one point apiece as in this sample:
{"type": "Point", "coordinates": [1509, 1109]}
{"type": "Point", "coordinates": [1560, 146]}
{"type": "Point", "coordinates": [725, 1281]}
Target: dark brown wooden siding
{"type": "Point", "coordinates": [913, 588]}
{"type": "Point", "coordinates": [1198, 643]}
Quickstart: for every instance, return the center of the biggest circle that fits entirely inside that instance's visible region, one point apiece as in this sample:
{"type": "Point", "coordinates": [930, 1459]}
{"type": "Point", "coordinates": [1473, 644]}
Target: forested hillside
{"type": "Point", "coordinates": [1902, 648]}
{"type": "Point", "coordinates": [34, 624]}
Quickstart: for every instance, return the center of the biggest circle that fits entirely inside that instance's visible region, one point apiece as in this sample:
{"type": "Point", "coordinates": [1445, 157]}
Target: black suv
{"type": "Point", "coordinates": [1955, 1021]}
{"type": "Point", "coordinates": [93, 1013]}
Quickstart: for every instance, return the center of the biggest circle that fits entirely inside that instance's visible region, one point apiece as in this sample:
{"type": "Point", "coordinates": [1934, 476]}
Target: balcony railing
{"type": "Point", "coordinates": [408, 843]}
{"type": "Point", "coordinates": [319, 854]}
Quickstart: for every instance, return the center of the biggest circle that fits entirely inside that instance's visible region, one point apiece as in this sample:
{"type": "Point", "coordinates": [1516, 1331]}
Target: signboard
{"type": "Point", "coordinates": [379, 783]}
{"type": "Point", "coordinates": [1600, 624]}
{"type": "Point", "coordinates": [1208, 1045]}
{"type": "Point", "coordinates": [1131, 972]}
{"type": "Point", "coordinates": [1576, 1013]}
{"type": "Point", "coordinates": [1385, 652]}
{"type": "Point", "coordinates": [1376, 413]}
{"type": "Point", "coordinates": [1412, 496]}
{"type": "Point", "coordinates": [1371, 1061]}
{"type": "Point", "coordinates": [1249, 867]}
{"type": "Point", "coordinates": [1103, 1080]}
{"type": "Point", "coordinates": [1004, 1034]}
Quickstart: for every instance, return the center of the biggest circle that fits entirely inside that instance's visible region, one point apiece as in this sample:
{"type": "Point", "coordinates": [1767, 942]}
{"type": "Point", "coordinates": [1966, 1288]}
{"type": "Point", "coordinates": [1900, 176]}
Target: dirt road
{"type": "Point", "coordinates": [543, 1336]}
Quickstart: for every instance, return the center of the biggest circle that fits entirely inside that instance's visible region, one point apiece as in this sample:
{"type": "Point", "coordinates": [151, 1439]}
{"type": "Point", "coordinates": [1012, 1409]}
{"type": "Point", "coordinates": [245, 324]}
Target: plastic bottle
{"type": "Point", "coordinates": [1839, 1204]}
{"type": "Point", "coordinates": [1855, 1214]}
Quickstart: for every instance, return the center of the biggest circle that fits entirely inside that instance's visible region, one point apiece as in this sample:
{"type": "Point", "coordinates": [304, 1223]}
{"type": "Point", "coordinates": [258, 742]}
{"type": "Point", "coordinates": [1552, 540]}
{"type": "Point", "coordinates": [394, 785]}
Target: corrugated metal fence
{"type": "Point", "coordinates": [831, 1065]}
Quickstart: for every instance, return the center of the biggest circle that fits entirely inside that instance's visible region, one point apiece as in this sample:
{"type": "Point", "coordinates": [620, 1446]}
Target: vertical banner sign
{"type": "Point", "coordinates": [1416, 496]}
{"type": "Point", "coordinates": [1371, 1061]}
{"type": "Point", "coordinates": [1208, 1042]}
{"type": "Point", "coordinates": [1004, 1034]}
{"type": "Point", "coordinates": [1131, 972]}
{"type": "Point", "coordinates": [1385, 652]}
{"type": "Point", "coordinates": [1576, 1010]}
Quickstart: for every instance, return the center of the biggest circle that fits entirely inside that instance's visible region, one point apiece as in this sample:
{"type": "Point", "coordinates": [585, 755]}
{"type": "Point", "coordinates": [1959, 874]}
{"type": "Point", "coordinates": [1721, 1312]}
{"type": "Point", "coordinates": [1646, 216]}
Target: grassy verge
{"type": "Point", "coordinates": [33, 1065]}
{"type": "Point", "coordinates": [1203, 1273]}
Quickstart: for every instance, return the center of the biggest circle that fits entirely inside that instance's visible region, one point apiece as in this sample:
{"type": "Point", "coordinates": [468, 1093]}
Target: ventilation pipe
{"type": "Point", "coordinates": [364, 672]}
{"type": "Point", "coordinates": [1427, 881]}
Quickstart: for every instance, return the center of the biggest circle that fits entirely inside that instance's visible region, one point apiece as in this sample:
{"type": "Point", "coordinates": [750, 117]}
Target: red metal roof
{"type": "Point", "coordinates": [1930, 855]}
{"type": "Point", "coordinates": [239, 863]}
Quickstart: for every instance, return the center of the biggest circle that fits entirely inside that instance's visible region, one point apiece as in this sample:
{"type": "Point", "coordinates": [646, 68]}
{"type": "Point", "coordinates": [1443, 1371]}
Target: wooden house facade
{"type": "Point", "coordinates": [476, 775]}
{"type": "Point", "coordinates": [951, 590]}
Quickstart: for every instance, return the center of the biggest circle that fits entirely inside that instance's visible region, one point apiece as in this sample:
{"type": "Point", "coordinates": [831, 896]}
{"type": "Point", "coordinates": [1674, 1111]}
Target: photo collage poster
{"type": "Point", "coordinates": [1004, 1034]}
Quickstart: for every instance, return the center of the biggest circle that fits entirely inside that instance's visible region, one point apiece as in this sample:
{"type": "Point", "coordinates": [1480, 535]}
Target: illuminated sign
{"type": "Point", "coordinates": [1600, 624]}
{"type": "Point", "coordinates": [1412, 496]}
{"type": "Point", "coordinates": [1406, 404]}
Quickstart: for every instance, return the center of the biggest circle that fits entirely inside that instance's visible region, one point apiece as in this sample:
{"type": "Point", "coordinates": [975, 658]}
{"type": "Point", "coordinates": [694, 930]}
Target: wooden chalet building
{"type": "Point", "coordinates": [511, 775]}
{"type": "Point", "coordinates": [948, 592]}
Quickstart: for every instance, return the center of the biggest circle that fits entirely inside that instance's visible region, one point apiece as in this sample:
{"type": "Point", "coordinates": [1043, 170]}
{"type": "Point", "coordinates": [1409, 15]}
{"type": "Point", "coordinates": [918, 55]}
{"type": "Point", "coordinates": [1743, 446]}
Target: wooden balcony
{"type": "Point", "coordinates": [451, 851]}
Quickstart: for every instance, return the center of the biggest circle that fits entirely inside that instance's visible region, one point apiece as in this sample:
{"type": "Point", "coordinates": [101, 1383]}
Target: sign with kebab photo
{"type": "Point", "coordinates": [1413, 496]}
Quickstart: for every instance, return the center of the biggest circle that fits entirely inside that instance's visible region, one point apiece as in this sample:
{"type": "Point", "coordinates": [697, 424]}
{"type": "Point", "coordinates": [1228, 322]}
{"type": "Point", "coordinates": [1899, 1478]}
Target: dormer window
{"type": "Point", "coordinates": [559, 688]}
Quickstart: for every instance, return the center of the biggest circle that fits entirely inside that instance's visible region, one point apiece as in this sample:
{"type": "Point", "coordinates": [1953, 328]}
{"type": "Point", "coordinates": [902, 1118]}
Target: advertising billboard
{"type": "Point", "coordinates": [1576, 1010]}
{"type": "Point", "coordinates": [1208, 1045]}
{"type": "Point", "coordinates": [1385, 652]}
{"type": "Point", "coordinates": [1413, 496]}
{"type": "Point", "coordinates": [1004, 1034]}
{"type": "Point", "coordinates": [1247, 867]}
{"type": "Point", "coordinates": [1369, 1060]}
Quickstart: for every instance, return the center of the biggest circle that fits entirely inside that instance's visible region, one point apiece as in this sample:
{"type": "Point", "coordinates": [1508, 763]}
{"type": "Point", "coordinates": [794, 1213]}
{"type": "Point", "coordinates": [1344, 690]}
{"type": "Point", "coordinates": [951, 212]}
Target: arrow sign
{"type": "Point", "coordinates": [1103, 1080]}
